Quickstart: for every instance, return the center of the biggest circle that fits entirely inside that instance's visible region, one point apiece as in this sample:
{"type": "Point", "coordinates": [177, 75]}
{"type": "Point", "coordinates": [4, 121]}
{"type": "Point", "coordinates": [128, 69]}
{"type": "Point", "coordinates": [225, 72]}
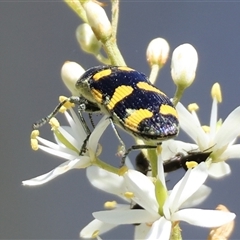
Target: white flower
{"type": "Point", "coordinates": [187, 192]}
{"type": "Point", "coordinates": [184, 65]}
{"type": "Point", "coordinates": [218, 137]}
{"type": "Point", "coordinates": [87, 40]}
{"type": "Point", "coordinates": [69, 142]}
{"type": "Point", "coordinates": [70, 73]}
{"type": "Point", "coordinates": [157, 52]}
{"type": "Point", "coordinates": [97, 19]}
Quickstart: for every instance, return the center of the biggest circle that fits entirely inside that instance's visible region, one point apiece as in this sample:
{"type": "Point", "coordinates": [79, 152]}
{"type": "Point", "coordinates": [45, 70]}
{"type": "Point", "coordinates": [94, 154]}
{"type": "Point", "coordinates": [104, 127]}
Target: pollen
{"type": "Point", "coordinates": [110, 204]}
{"type": "Point", "coordinates": [34, 134]}
{"type": "Point", "coordinates": [129, 195]}
{"type": "Point", "coordinates": [216, 92]}
{"type": "Point", "coordinates": [95, 234]}
{"type": "Point", "coordinates": [34, 144]}
{"type": "Point", "coordinates": [193, 107]}
{"type": "Point", "coordinates": [191, 164]}
{"type": "Point", "coordinates": [54, 124]}
{"type": "Point", "coordinates": [68, 104]}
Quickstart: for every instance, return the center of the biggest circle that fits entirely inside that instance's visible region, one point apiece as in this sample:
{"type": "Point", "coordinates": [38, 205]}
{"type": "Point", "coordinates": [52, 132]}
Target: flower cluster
{"type": "Point", "coordinates": [155, 210]}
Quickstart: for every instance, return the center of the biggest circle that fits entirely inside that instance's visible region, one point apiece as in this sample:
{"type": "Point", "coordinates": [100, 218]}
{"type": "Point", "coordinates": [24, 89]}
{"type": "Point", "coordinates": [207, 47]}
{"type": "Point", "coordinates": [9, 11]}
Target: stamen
{"type": "Point", "coordinates": [67, 104]}
{"type": "Point", "coordinates": [110, 204]}
{"type": "Point", "coordinates": [206, 128]}
{"type": "Point", "coordinates": [34, 144]}
{"type": "Point", "coordinates": [193, 107]}
{"type": "Point", "coordinates": [34, 134]}
{"type": "Point", "coordinates": [129, 195]}
{"type": "Point", "coordinates": [122, 170]}
{"type": "Point", "coordinates": [95, 234]}
{"type": "Point", "coordinates": [54, 124]}
{"type": "Point", "coordinates": [216, 92]}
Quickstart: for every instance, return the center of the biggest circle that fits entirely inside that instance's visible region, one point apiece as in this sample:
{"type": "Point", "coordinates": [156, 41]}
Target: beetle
{"type": "Point", "coordinates": [130, 101]}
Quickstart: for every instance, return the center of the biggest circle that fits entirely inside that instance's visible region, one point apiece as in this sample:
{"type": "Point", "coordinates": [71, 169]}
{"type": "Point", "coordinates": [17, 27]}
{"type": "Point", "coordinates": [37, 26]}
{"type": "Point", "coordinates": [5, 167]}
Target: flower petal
{"type": "Point", "coordinates": [198, 197]}
{"type": "Point", "coordinates": [187, 186]}
{"type": "Point", "coordinates": [82, 162]}
{"type": "Point", "coordinates": [191, 127]}
{"type": "Point", "coordinates": [229, 130]}
{"type": "Point", "coordinates": [232, 151]}
{"type": "Point", "coordinates": [161, 229]}
{"type": "Point", "coordinates": [124, 216]}
{"type": "Point", "coordinates": [94, 227]}
{"type": "Point", "coordinates": [59, 153]}
{"type": "Point", "coordinates": [143, 189]}
{"type": "Point", "coordinates": [141, 231]}
{"type": "Point", "coordinates": [219, 169]}
{"type": "Point", "coordinates": [203, 218]}
{"type": "Point", "coordinates": [97, 133]}
{"type": "Point", "coordinates": [106, 181]}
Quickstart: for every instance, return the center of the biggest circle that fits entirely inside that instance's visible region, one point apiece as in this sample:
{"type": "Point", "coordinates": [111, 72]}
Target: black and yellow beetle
{"type": "Point", "coordinates": [130, 101]}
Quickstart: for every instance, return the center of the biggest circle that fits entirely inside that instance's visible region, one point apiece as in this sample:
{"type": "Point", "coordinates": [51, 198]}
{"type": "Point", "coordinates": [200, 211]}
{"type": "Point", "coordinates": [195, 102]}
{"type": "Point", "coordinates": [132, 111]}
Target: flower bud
{"type": "Point", "coordinates": [184, 65]}
{"type": "Point", "coordinates": [157, 52]}
{"type": "Point", "coordinates": [98, 20]}
{"type": "Point", "coordinates": [87, 40]}
{"type": "Point", "coordinates": [70, 73]}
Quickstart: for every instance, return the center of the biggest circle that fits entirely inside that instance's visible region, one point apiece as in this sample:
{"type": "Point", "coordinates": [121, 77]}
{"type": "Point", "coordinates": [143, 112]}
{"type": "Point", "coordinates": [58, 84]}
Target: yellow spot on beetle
{"type": "Point", "coordinates": [119, 94]}
{"type": "Point", "coordinates": [97, 95]}
{"type": "Point", "coordinates": [148, 87]}
{"type": "Point", "coordinates": [136, 116]}
{"type": "Point", "coordinates": [166, 109]}
{"type": "Point", "coordinates": [124, 68]}
{"type": "Point", "coordinates": [103, 73]}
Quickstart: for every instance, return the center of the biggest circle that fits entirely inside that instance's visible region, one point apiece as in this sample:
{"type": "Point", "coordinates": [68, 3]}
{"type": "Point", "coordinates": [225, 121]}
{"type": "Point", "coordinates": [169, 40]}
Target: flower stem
{"type": "Point", "coordinates": [105, 166]}
{"type": "Point", "coordinates": [178, 94]}
{"type": "Point", "coordinates": [115, 14]}
{"type": "Point", "coordinates": [152, 154]}
{"type": "Point", "coordinates": [154, 73]}
{"type": "Point", "coordinates": [176, 232]}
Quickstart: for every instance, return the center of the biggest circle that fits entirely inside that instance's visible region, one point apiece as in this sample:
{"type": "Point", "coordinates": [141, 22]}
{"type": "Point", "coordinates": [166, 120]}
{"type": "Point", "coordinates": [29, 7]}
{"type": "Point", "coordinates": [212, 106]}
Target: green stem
{"type": "Point", "coordinates": [76, 6]}
{"type": "Point", "coordinates": [178, 94]}
{"type": "Point", "coordinates": [176, 233]}
{"type": "Point", "coordinates": [152, 154]}
{"type": "Point", "coordinates": [105, 166]}
{"type": "Point", "coordinates": [102, 59]}
{"type": "Point", "coordinates": [114, 54]}
{"type": "Point", "coordinates": [154, 73]}
{"type": "Point", "coordinates": [115, 15]}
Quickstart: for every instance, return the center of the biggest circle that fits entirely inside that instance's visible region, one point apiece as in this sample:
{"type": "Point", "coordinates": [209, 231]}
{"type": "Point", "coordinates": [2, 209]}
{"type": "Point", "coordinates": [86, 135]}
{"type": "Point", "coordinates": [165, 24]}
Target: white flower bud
{"type": "Point", "coordinates": [70, 73]}
{"type": "Point", "coordinates": [184, 65]}
{"type": "Point", "coordinates": [157, 52]}
{"type": "Point", "coordinates": [98, 20]}
{"type": "Point", "coordinates": [87, 40]}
